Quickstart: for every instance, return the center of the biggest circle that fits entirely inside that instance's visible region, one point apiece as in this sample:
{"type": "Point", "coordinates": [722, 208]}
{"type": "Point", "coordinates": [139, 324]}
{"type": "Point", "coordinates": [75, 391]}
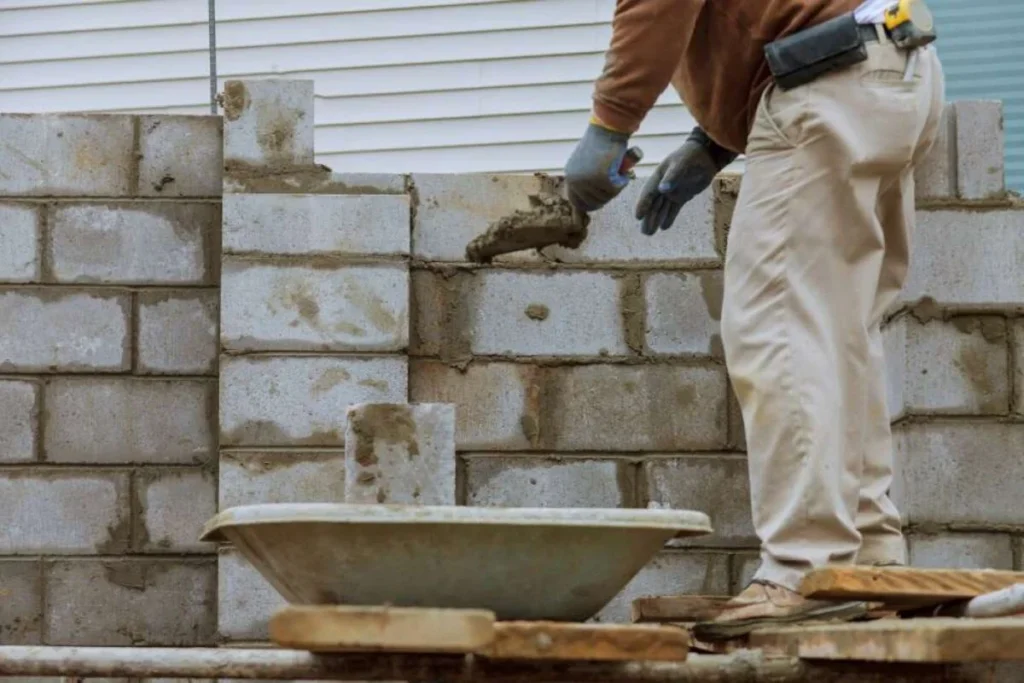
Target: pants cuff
{"type": "Point", "coordinates": [778, 573]}
{"type": "Point", "coordinates": [883, 551]}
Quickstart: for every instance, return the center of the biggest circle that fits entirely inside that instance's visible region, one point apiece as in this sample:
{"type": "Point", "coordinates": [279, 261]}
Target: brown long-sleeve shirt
{"type": "Point", "coordinates": [711, 51]}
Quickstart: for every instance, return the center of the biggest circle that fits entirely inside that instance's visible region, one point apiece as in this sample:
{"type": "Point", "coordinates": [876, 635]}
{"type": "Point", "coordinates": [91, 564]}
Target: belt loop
{"type": "Point", "coordinates": [883, 37]}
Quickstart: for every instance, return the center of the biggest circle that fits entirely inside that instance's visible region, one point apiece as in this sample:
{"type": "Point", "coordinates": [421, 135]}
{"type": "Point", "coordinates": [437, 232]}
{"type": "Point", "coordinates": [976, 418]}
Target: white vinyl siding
{"type": "Point", "coordinates": [401, 85]}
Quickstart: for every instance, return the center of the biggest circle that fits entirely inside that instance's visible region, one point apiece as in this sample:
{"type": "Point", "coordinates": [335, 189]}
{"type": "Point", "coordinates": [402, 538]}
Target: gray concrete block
{"type": "Point", "coordinates": [957, 367]}
{"type": "Point", "coordinates": [67, 155]}
{"type": "Point", "coordinates": [318, 180]}
{"type": "Point", "coordinates": [180, 156]}
{"type": "Point", "coordinates": [744, 566]}
{"type": "Point", "coordinates": [955, 472]}
{"type": "Point", "coordinates": [125, 420]}
{"type": "Point", "coordinates": [173, 505]}
{"type": "Point", "coordinates": [1016, 328]}
{"type": "Point", "coordinates": [400, 454]}
{"type": "Point", "coordinates": [935, 176]}
{"type": "Point", "coordinates": [278, 307]}
{"type": "Point", "coordinates": [268, 124]}
{"type": "Point", "coordinates": [967, 258]}
{"type": "Point", "coordinates": [133, 243]}
{"type": "Point", "coordinates": [453, 209]}
{"type": "Point", "coordinates": [20, 241]}
{"type": "Point", "coordinates": [62, 512]}
{"type": "Point", "coordinates": [717, 485]}
{"type": "Point", "coordinates": [683, 313]}
{"type": "Point", "coordinates": [21, 585]}
{"type": "Point", "coordinates": [65, 330]}
{"type": "Point", "coordinates": [962, 551]}
{"type": "Point", "coordinates": [307, 224]}
{"type": "Point", "coordinates": [549, 481]}
{"type": "Point", "coordinates": [19, 421]}
{"type": "Point", "coordinates": [894, 342]}
{"type": "Point", "coordinates": [597, 408]}
{"type": "Point", "coordinates": [292, 476]}
{"type": "Point", "coordinates": [300, 400]}
{"type": "Point", "coordinates": [671, 573]}
{"type": "Point", "coordinates": [122, 602]}
{"type": "Point", "coordinates": [178, 332]}
{"type": "Point", "coordinates": [246, 600]}
{"type": "Point", "coordinates": [980, 149]}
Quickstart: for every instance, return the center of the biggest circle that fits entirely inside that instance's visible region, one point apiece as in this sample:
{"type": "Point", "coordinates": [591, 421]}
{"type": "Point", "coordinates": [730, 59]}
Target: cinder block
{"type": "Point", "coordinates": [318, 180]}
{"type": "Point", "coordinates": [19, 421]}
{"type": "Point", "coordinates": [671, 573]}
{"type": "Point", "coordinates": [300, 400]}
{"type": "Point", "coordinates": [935, 176]}
{"type": "Point", "coordinates": [400, 454]}
{"type": "Point", "coordinates": [83, 155]}
{"type": "Point", "coordinates": [21, 587]}
{"type": "Point", "coordinates": [614, 235]}
{"type": "Point", "coordinates": [597, 408]}
{"type": "Point", "coordinates": [979, 149]}
{"type": "Point", "coordinates": [1016, 328]}
{"type": "Point", "coordinates": [549, 481]}
{"type": "Point", "coordinates": [894, 342]}
{"type": "Point", "coordinates": [177, 332]}
{"type": "Point", "coordinates": [717, 485]}
{"type": "Point", "coordinates": [129, 420]}
{"type": "Point", "coordinates": [268, 124]}
{"type": "Point", "coordinates": [963, 473]}
{"type": "Point", "coordinates": [293, 476]}
{"type": "Point", "coordinates": [19, 243]}
{"type": "Point", "coordinates": [137, 243]}
{"type": "Point", "coordinates": [269, 224]}
{"type": "Point", "coordinates": [180, 156]}
{"type": "Point", "coordinates": [173, 505]}
{"type": "Point", "coordinates": [246, 600]}
{"type": "Point", "coordinates": [683, 313]}
{"type": "Point", "coordinates": [61, 512]}
{"type": "Point", "coordinates": [957, 367]}
{"type": "Point", "coordinates": [962, 551]}
{"type": "Point", "coordinates": [277, 307]}
{"type": "Point", "coordinates": [453, 209]}
{"type": "Point", "coordinates": [542, 314]}
{"type": "Point", "coordinates": [121, 602]}
{"type": "Point", "coordinates": [65, 330]}
{"type": "Point", "coordinates": [967, 258]}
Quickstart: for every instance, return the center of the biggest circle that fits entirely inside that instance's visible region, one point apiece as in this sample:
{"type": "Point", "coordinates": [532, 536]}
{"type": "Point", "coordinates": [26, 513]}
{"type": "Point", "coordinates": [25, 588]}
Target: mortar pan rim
{"type": "Point", "coordinates": [682, 522]}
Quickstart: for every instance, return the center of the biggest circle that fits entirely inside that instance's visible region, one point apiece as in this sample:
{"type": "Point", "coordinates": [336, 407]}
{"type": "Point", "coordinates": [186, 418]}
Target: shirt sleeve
{"type": "Point", "coordinates": [648, 41]}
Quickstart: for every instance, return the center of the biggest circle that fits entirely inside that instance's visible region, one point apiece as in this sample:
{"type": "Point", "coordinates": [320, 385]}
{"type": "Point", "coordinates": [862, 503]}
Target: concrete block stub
{"type": "Point", "coordinates": [268, 125]}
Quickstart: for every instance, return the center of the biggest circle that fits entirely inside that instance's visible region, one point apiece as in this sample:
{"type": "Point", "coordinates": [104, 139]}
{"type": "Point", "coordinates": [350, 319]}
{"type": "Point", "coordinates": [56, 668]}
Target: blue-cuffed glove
{"type": "Point", "coordinates": [592, 175]}
{"type": "Point", "coordinates": [683, 175]}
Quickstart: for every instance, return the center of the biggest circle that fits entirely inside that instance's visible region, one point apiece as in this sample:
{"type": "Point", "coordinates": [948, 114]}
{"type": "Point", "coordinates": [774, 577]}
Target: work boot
{"type": "Point", "coordinates": [764, 604]}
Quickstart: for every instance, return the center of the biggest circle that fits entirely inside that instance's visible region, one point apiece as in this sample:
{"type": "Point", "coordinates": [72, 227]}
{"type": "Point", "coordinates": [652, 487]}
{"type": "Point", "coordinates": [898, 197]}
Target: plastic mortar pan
{"type": "Point", "coordinates": [521, 563]}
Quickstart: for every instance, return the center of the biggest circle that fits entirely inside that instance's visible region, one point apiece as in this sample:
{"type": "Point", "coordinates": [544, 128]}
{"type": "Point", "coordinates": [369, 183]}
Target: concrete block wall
{"type": "Point", "coordinates": [109, 270]}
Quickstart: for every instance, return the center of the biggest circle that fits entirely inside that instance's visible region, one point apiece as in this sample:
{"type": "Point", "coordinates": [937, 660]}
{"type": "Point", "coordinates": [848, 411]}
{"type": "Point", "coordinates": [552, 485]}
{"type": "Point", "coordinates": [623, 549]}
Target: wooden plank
{"type": "Point", "coordinates": [900, 640]}
{"type": "Point", "coordinates": [337, 628]}
{"type": "Point", "coordinates": [677, 608]}
{"type": "Point", "coordinates": [587, 642]}
{"type": "Point", "coordinates": [904, 585]}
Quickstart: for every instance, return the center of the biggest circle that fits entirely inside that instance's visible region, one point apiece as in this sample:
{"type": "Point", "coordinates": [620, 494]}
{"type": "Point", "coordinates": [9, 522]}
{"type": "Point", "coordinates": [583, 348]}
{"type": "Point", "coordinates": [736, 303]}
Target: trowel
{"type": "Point", "coordinates": [550, 220]}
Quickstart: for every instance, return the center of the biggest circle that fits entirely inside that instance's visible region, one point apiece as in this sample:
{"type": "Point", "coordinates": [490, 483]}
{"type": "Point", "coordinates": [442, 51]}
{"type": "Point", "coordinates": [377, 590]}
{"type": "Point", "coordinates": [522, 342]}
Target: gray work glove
{"type": "Point", "coordinates": [592, 176]}
{"type": "Point", "coordinates": [683, 175]}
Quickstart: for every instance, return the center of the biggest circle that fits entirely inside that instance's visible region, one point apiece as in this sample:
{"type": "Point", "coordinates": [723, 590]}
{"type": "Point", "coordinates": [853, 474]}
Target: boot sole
{"type": "Point", "coordinates": [711, 631]}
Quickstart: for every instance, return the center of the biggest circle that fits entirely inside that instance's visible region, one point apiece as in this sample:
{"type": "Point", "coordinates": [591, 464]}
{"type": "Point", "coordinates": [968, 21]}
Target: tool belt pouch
{"type": "Point", "coordinates": [802, 57]}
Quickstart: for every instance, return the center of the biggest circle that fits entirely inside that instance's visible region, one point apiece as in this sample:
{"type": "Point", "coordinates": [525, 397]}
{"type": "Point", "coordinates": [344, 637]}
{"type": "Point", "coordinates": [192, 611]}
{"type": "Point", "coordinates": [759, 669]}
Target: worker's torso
{"type": "Point", "coordinates": [723, 71]}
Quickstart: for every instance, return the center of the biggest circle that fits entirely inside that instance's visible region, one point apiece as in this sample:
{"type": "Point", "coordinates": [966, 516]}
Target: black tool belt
{"type": "Point", "coordinates": [835, 44]}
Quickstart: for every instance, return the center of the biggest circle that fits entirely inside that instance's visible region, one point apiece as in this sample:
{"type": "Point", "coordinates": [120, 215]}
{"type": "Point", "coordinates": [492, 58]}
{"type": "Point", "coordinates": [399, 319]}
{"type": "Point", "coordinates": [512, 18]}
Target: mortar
{"type": "Point", "coordinates": [521, 563]}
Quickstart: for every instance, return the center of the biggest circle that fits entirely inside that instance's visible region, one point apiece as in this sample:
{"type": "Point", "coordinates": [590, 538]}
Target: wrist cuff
{"type": "Point", "coordinates": [720, 155]}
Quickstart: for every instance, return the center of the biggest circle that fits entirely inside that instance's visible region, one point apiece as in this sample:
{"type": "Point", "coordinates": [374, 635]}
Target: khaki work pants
{"type": "Point", "coordinates": [817, 252]}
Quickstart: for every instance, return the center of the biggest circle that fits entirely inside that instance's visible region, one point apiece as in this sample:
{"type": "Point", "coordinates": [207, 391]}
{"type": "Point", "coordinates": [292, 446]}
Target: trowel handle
{"type": "Point", "coordinates": [633, 157]}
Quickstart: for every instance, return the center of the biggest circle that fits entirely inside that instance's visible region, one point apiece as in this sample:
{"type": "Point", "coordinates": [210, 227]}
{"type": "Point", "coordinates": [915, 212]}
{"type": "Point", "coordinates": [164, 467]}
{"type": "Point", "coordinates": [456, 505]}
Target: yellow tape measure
{"type": "Point", "coordinates": [910, 24]}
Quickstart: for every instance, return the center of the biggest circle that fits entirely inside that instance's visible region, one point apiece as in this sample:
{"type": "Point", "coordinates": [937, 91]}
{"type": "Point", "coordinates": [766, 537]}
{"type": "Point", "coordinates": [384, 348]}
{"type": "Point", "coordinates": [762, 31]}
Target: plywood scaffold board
{"type": "Point", "coordinates": [935, 640]}
{"type": "Point", "coordinates": [904, 585]}
{"type": "Point", "coordinates": [587, 642]}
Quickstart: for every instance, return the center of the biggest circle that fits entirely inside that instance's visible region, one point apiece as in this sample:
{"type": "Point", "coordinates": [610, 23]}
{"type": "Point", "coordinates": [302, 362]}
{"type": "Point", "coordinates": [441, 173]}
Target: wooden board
{"type": "Point", "coordinates": [333, 628]}
{"type": "Point", "coordinates": [899, 640]}
{"type": "Point", "coordinates": [904, 585]}
{"type": "Point", "coordinates": [587, 642]}
{"type": "Point", "coordinates": [677, 608]}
